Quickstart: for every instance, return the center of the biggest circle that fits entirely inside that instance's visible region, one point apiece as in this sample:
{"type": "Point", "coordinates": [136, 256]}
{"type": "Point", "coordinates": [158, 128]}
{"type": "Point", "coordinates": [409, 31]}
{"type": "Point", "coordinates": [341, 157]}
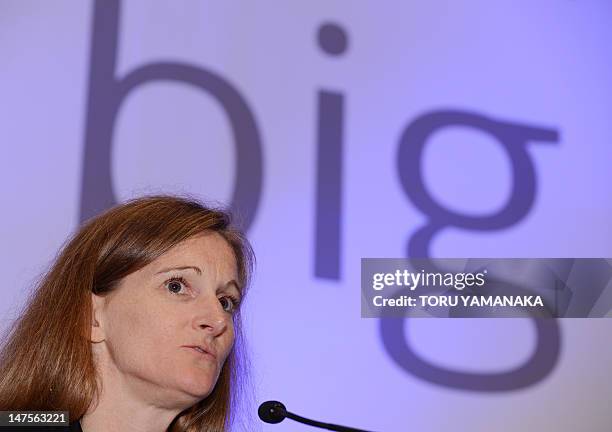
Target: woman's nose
{"type": "Point", "coordinates": [211, 317]}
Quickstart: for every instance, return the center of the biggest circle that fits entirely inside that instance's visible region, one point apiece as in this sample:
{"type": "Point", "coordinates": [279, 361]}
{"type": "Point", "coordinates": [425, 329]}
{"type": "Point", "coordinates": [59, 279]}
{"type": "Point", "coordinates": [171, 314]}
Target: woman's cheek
{"type": "Point", "coordinates": [132, 330]}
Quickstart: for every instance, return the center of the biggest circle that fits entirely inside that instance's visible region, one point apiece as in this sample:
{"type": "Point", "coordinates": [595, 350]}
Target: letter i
{"type": "Point", "coordinates": [333, 41]}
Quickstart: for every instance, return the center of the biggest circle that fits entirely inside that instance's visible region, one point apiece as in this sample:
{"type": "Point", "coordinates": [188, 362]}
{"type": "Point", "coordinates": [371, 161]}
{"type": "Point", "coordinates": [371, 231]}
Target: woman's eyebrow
{"type": "Point", "coordinates": [234, 284]}
{"type": "Point", "coordinates": [194, 268]}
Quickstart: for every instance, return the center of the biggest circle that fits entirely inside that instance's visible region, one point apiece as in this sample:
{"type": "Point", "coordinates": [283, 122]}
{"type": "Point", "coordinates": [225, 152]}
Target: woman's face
{"type": "Point", "coordinates": [152, 323]}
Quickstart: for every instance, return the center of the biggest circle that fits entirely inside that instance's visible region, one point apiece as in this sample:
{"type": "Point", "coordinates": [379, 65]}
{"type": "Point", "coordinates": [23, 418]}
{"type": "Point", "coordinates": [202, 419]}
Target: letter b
{"type": "Point", "coordinates": [107, 92]}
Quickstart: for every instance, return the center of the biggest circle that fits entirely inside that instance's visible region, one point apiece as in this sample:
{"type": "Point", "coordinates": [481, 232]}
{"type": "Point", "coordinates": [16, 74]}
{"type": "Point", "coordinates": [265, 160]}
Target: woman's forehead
{"type": "Point", "coordinates": [206, 252]}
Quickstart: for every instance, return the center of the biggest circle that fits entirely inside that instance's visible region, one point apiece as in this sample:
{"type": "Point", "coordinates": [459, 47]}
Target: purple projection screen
{"type": "Point", "coordinates": [336, 131]}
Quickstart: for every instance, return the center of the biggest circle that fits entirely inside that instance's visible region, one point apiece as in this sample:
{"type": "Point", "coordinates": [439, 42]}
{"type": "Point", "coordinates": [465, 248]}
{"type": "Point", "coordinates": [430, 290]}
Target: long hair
{"type": "Point", "coordinates": [46, 362]}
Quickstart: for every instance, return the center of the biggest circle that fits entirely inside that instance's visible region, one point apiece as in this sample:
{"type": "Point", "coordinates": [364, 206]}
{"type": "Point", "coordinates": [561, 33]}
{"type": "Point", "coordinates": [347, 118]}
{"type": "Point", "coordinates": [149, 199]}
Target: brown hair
{"type": "Point", "coordinates": [46, 362]}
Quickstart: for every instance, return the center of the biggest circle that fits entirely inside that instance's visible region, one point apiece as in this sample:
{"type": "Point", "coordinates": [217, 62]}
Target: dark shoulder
{"type": "Point", "coordinates": [73, 427]}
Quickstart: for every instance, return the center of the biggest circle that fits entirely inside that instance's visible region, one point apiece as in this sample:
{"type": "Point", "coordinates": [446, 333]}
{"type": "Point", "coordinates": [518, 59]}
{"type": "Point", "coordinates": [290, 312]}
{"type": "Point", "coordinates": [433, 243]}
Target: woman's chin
{"type": "Point", "coordinates": [198, 386]}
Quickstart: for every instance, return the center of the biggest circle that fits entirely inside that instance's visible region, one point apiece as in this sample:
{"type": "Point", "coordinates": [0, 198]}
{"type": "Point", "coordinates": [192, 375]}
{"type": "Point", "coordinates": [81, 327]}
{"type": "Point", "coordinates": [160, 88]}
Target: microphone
{"type": "Point", "coordinates": [275, 412]}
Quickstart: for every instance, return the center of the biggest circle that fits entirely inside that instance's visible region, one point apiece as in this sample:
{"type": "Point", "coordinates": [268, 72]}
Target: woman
{"type": "Point", "coordinates": [134, 327]}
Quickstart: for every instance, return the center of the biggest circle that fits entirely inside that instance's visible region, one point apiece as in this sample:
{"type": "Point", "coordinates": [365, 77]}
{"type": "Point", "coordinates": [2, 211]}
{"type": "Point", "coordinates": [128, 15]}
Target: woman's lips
{"type": "Point", "coordinates": [201, 352]}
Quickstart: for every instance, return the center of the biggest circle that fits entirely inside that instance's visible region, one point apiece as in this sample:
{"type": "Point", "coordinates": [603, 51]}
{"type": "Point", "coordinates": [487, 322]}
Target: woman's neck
{"type": "Point", "coordinates": [129, 405]}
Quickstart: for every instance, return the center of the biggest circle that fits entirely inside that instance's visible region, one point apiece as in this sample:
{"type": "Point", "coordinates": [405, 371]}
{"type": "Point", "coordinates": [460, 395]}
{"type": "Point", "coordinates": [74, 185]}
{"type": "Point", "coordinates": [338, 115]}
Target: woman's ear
{"type": "Point", "coordinates": [97, 328]}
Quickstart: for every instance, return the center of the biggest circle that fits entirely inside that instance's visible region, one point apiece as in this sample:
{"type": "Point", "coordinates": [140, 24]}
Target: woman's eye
{"type": "Point", "coordinates": [227, 303]}
{"type": "Point", "coordinates": [175, 285]}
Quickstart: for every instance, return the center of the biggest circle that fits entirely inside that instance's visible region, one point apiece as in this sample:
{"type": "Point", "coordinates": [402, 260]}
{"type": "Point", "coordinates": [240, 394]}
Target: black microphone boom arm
{"type": "Point", "coordinates": [275, 412]}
